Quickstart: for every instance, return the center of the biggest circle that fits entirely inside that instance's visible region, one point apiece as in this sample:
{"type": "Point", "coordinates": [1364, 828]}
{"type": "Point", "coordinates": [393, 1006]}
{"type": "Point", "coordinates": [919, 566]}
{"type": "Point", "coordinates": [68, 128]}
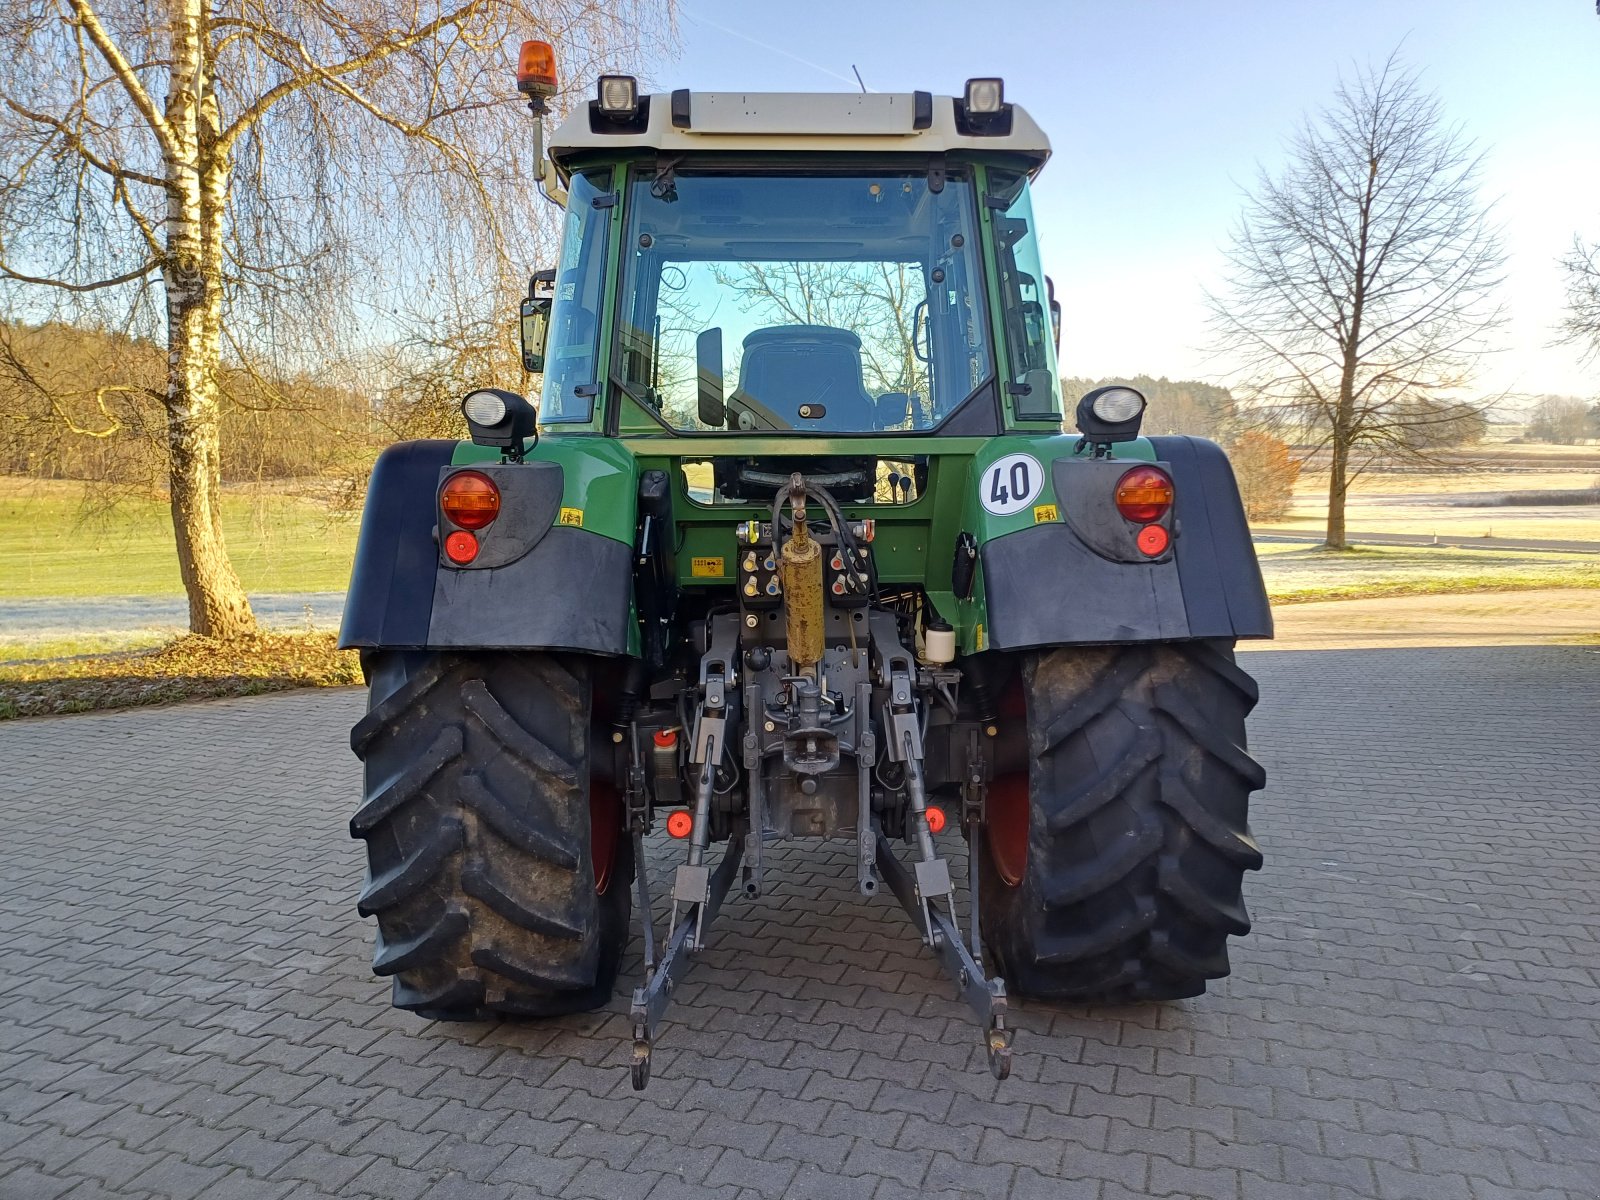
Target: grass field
{"type": "Point", "coordinates": [1295, 574]}
{"type": "Point", "coordinates": [1430, 501]}
{"type": "Point", "coordinates": [53, 542]}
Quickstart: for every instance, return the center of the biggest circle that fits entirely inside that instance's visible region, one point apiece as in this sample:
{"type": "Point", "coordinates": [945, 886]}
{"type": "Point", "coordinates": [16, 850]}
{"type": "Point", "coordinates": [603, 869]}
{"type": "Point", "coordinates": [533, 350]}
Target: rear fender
{"type": "Point", "coordinates": [1064, 568]}
{"type": "Point", "coordinates": [554, 569]}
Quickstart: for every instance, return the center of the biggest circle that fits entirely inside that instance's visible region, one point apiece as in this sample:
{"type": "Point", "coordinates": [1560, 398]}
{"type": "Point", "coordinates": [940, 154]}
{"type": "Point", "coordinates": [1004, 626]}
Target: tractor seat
{"type": "Point", "coordinates": [786, 367]}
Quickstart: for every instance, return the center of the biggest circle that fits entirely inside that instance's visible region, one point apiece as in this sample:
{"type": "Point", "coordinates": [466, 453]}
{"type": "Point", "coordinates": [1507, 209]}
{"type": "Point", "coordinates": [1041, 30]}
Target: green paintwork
{"type": "Point", "coordinates": [600, 479]}
{"type": "Point", "coordinates": [986, 527]}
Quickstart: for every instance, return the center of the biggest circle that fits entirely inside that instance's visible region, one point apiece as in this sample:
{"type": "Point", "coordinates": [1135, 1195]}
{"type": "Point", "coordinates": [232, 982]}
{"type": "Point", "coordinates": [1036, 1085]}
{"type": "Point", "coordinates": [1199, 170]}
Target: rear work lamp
{"type": "Point", "coordinates": [618, 95]}
{"type": "Point", "coordinates": [985, 96]}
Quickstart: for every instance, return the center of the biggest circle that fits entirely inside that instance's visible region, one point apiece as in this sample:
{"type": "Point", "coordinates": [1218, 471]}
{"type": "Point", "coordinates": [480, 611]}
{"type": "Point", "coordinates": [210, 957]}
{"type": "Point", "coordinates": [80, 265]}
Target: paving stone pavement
{"type": "Point", "coordinates": [186, 1011]}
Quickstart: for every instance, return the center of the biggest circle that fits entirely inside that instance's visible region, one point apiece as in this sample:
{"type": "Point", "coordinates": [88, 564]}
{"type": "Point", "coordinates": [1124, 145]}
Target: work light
{"type": "Point", "coordinates": [496, 417]}
{"type": "Point", "coordinates": [1110, 414]}
{"type": "Point", "coordinates": [985, 96]}
{"type": "Point", "coordinates": [483, 408]}
{"type": "Point", "coordinates": [1117, 405]}
{"type": "Point", "coordinates": [619, 95]}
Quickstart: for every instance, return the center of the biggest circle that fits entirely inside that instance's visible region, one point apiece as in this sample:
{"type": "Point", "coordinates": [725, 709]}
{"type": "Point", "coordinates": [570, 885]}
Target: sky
{"type": "Point", "coordinates": [1162, 112]}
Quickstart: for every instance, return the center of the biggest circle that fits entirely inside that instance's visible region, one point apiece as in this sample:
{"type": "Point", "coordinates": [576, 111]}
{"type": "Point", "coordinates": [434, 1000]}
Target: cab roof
{"type": "Point", "coordinates": [685, 122]}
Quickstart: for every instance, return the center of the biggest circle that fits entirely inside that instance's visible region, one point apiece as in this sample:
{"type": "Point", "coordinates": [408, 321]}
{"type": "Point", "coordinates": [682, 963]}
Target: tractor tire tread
{"type": "Point", "coordinates": [1138, 836]}
{"type": "Point", "coordinates": [477, 825]}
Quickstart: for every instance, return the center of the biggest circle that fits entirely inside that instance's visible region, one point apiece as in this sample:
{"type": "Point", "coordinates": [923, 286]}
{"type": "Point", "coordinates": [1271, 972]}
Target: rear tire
{"type": "Point", "coordinates": [1116, 859]}
{"type": "Point", "coordinates": [486, 835]}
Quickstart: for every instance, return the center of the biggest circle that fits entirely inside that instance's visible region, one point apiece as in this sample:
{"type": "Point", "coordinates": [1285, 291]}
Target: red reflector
{"type": "Point", "coordinates": [470, 499]}
{"type": "Point", "coordinates": [461, 547]}
{"type": "Point", "coordinates": [935, 816]}
{"type": "Point", "coordinates": [1144, 494]}
{"type": "Point", "coordinates": [1153, 540]}
{"type": "Point", "coordinates": [680, 824]}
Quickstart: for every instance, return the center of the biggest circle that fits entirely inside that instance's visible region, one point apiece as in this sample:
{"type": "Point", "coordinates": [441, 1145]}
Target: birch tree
{"type": "Point", "coordinates": [252, 182]}
{"type": "Point", "coordinates": [1361, 280]}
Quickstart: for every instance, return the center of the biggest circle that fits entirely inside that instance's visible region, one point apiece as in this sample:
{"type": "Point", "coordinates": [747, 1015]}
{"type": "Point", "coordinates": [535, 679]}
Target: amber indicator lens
{"type": "Point", "coordinates": [470, 499]}
{"type": "Point", "coordinates": [1144, 494]}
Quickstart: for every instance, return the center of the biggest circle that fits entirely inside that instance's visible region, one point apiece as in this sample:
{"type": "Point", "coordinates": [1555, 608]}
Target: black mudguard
{"type": "Point", "coordinates": [1048, 586]}
{"type": "Point", "coordinates": [536, 585]}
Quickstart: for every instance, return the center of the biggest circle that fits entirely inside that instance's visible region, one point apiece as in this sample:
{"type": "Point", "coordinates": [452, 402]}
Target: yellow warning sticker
{"type": "Point", "coordinates": [572, 516]}
{"type": "Point", "coordinates": [977, 638]}
{"type": "Point", "coordinates": [1045, 512]}
{"type": "Point", "coordinates": [706, 568]}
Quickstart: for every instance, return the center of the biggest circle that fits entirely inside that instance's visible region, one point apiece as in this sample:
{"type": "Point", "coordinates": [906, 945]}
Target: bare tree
{"type": "Point", "coordinates": [1581, 325]}
{"type": "Point", "coordinates": [252, 182]}
{"type": "Point", "coordinates": [1361, 277]}
{"type": "Point", "coordinates": [1563, 420]}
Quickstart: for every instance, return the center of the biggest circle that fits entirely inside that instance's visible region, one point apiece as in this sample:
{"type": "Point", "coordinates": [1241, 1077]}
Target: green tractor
{"type": "Point", "coordinates": [795, 545]}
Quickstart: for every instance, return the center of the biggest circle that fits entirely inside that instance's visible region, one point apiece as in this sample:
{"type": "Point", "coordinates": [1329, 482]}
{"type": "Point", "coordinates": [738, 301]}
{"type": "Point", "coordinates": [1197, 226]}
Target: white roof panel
{"type": "Point", "coordinates": [776, 114]}
{"type": "Point", "coordinates": [837, 122]}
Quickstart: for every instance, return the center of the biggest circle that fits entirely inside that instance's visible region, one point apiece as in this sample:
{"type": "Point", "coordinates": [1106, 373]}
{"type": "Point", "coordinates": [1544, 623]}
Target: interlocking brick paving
{"type": "Point", "coordinates": [186, 1010]}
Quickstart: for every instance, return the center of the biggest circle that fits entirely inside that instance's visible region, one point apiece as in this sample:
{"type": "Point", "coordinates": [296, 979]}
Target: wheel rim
{"type": "Point", "coordinates": [605, 827]}
{"type": "Point", "coordinates": [1008, 803]}
{"type": "Point", "coordinates": [1008, 827]}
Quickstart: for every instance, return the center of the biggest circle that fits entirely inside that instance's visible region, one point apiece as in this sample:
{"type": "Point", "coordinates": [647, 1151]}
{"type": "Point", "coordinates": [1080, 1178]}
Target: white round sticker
{"type": "Point", "coordinates": [1010, 484]}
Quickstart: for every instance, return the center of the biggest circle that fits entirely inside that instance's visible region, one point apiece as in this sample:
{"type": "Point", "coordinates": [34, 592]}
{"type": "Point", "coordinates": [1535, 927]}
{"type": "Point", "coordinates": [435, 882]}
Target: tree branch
{"type": "Point", "coordinates": [89, 21]}
{"type": "Point", "coordinates": [316, 73]}
{"type": "Point", "coordinates": [97, 285]}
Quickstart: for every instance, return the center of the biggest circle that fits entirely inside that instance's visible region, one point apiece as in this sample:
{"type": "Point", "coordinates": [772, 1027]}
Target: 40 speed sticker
{"type": "Point", "coordinates": [1010, 484]}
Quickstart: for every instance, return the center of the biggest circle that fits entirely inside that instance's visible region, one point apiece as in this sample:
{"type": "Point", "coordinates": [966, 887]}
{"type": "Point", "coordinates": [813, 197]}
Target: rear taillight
{"type": "Point", "coordinates": [470, 499]}
{"type": "Point", "coordinates": [1144, 494]}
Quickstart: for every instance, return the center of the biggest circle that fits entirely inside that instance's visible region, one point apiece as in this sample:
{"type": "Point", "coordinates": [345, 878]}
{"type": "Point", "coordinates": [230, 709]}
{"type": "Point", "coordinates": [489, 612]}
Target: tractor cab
{"type": "Point", "coordinates": [768, 264]}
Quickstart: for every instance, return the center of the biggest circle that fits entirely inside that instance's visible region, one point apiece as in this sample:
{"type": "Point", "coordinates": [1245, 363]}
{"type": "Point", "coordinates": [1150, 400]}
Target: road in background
{"type": "Point", "coordinates": [67, 615]}
{"type": "Point", "coordinates": [1448, 541]}
{"type": "Point", "coordinates": [1526, 618]}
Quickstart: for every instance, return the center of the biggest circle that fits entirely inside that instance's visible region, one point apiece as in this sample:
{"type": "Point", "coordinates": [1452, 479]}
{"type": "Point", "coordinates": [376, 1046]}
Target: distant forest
{"type": "Point", "coordinates": [82, 404]}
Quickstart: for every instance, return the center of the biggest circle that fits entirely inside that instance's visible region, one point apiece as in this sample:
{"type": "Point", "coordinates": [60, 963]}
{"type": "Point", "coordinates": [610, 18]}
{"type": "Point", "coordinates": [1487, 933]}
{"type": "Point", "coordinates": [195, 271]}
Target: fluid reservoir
{"type": "Point", "coordinates": [939, 642]}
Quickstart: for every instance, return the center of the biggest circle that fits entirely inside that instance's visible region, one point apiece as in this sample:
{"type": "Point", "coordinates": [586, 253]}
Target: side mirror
{"type": "Point", "coordinates": [1055, 312]}
{"type": "Point", "coordinates": [894, 408]}
{"type": "Point", "coordinates": [535, 325]}
{"type": "Point", "coordinates": [535, 313]}
{"type": "Point", "coordinates": [1035, 399]}
{"type": "Point", "coordinates": [708, 369]}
